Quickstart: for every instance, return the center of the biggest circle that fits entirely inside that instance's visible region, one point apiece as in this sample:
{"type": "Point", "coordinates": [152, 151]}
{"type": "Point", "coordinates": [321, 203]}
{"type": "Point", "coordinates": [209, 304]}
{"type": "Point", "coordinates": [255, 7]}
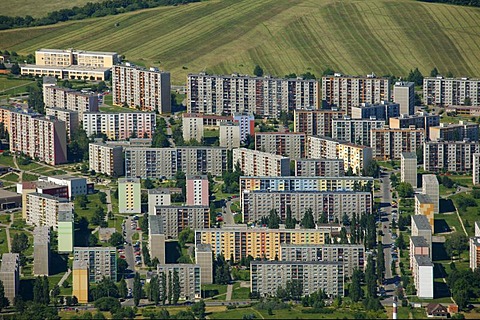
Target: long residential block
{"type": "Point", "coordinates": [389, 143]}
{"type": "Point", "coordinates": [102, 262]}
{"type": "Point", "coordinates": [166, 162]}
{"type": "Point", "coordinates": [189, 276]}
{"type": "Point", "coordinates": [454, 131]}
{"type": "Point", "coordinates": [451, 91]}
{"type": "Point", "coordinates": [315, 122]}
{"type": "Point", "coordinates": [356, 131]}
{"type": "Point", "coordinates": [178, 218]}
{"type": "Point", "coordinates": [106, 159]}
{"type": "Point", "coordinates": [135, 87]}
{"type": "Point", "coordinates": [70, 118]}
{"type": "Point", "coordinates": [421, 120]}
{"type": "Point", "coordinates": [293, 144]}
{"type": "Point", "coordinates": [381, 111]}
{"type": "Point", "coordinates": [265, 96]}
{"type": "Point", "coordinates": [69, 99]}
{"type": "Point", "coordinates": [120, 126]}
{"type": "Point", "coordinates": [44, 209]}
{"type": "Point", "coordinates": [59, 57]}
{"type": "Point", "coordinates": [319, 167]}
{"type": "Point", "coordinates": [454, 156]}
{"type": "Point", "coordinates": [258, 163]}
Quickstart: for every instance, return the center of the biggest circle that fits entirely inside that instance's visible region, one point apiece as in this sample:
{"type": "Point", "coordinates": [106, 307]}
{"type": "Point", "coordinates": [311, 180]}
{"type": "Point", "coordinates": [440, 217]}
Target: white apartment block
{"type": "Point", "coordinates": [229, 135]}
{"type": "Point", "coordinates": [476, 168]}
{"type": "Point", "coordinates": [57, 57]}
{"type": "Point", "coordinates": [356, 131]}
{"type": "Point", "coordinates": [266, 96]}
{"type": "Point", "coordinates": [348, 91]}
{"type": "Point", "coordinates": [102, 262]}
{"type": "Point", "coordinates": [257, 163]}
{"type": "Point", "coordinates": [129, 195]}
{"type": "Point", "coordinates": [156, 163]}
{"type": "Point", "coordinates": [422, 272]}
{"type": "Point", "coordinates": [430, 188]}
{"type": "Point", "coordinates": [189, 277]}
{"type": "Point", "coordinates": [267, 276]}
{"type": "Point", "coordinates": [351, 255]}
{"type": "Point", "coordinates": [158, 197]}
{"type": "Point", "coordinates": [174, 219]}
{"type": "Point", "coordinates": [453, 156]}
{"type": "Point", "coordinates": [404, 95]}
{"type": "Point", "coordinates": [64, 98]}
{"type": "Point", "coordinates": [120, 126]}
{"type": "Point", "coordinates": [315, 122]}
{"type": "Point", "coordinates": [43, 209]}
{"type": "Point", "coordinates": [356, 157]}
{"type": "Point", "coordinates": [408, 168]}
{"type": "Point", "coordinates": [293, 144]}
{"type": "Point", "coordinates": [70, 118]}
{"type": "Point", "coordinates": [192, 127]}
{"type": "Point", "coordinates": [388, 143]}
{"type": "Point", "coordinates": [148, 90]}
{"type": "Point", "coordinates": [319, 167]}
{"type": "Point", "coordinates": [41, 138]}
{"type": "Point", "coordinates": [334, 204]}
{"type": "Point", "coordinates": [106, 159]}
{"type": "Point", "coordinates": [451, 91]}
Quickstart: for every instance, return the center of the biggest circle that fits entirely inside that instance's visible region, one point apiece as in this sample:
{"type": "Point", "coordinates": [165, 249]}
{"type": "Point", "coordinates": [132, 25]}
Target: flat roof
{"type": "Point", "coordinates": [421, 222]}
{"type": "Point", "coordinates": [41, 235]}
{"type": "Point", "coordinates": [80, 264]}
{"type": "Point", "coordinates": [61, 110]}
{"type": "Point", "coordinates": [292, 245]}
{"type": "Point", "coordinates": [10, 262]}
{"type": "Point", "coordinates": [305, 192]}
{"type": "Point", "coordinates": [423, 198]}
{"type": "Point", "coordinates": [339, 263]}
{"type": "Point", "coordinates": [423, 260]}
{"type": "Point", "coordinates": [82, 249]}
{"type": "Point", "coordinates": [47, 196]}
{"type": "Point", "coordinates": [129, 180]}
{"type": "Point", "coordinates": [308, 178]}
{"type": "Point", "coordinates": [196, 177]}
{"type": "Point", "coordinates": [419, 241]}
{"type": "Point", "coordinates": [75, 51]}
{"type": "Point", "coordinates": [65, 216]}
{"type": "Point", "coordinates": [67, 68]}
{"type": "Point", "coordinates": [8, 194]}
{"type": "Point", "coordinates": [155, 224]}
{"type": "Point", "coordinates": [409, 155]}
{"type": "Point", "coordinates": [66, 177]}
{"type": "Point", "coordinates": [203, 247]}
{"type": "Point", "coordinates": [430, 178]}
{"type": "Point", "coordinates": [159, 191]}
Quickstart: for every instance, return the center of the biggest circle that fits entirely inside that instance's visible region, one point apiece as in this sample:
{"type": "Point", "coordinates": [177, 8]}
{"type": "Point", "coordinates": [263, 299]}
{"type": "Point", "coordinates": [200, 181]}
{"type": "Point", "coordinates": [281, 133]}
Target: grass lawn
{"type": "Point", "coordinates": [217, 291]}
{"type": "Point", "coordinates": [13, 86]}
{"type": "Point", "coordinates": [469, 215]}
{"type": "Point", "coordinates": [11, 177]}
{"type": "Point", "coordinates": [54, 279]}
{"type": "Point", "coordinates": [462, 180]}
{"type": "Point", "coordinates": [51, 172]}
{"type": "Point", "coordinates": [94, 203]}
{"type": "Point", "coordinates": [294, 313]}
{"type": "Point", "coordinates": [29, 177]}
{"type": "Point", "coordinates": [29, 167]}
{"type": "Point", "coordinates": [211, 133]}
{"type": "Point", "coordinates": [238, 218]}
{"type": "Point", "coordinates": [3, 241]}
{"type": "Point", "coordinates": [241, 294]}
{"type": "Point", "coordinates": [29, 250]}
{"type": "Point", "coordinates": [5, 218]}
{"type": "Point", "coordinates": [115, 109]}
{"type": "Point", "coordinates": [6, 161]}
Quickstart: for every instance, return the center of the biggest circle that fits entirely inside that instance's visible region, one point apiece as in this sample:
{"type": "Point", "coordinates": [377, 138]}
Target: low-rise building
{"type": "Point", "coordinates": [289, 144]}
{"type": "Point", "coordinates": [10, 275]}
{"type": "Point", "coordinates": [129, 195]}
{"type": "Point", "coordinates": [178, 218]}
{"type": "Point", "coordinates": [319, 167]}
{"type": "Point", "coordinates": [266, 277]}
{"type": "Point", "coordinates": [102, 262]}
{"type": "Point", "coordinates": [258, 163]}
{"type": "Point", "coordinates": [189, 276]}
{"type": "Point", "coordinates": [422, 272]}
{"type": "Point", "coordinates": [72, 72]}
{"type": "Point", "coordinates": [76, 185]}
{"type": "Point", "coordinates": [41, 251]}
{"type": "Point", "coordinates": [106, 159]}
{"type": "Point", "coordinates": [204, 258]}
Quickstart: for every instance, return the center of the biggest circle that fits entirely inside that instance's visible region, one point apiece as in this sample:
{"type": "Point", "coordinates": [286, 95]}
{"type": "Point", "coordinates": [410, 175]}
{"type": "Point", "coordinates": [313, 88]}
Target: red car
{"type": "Point", "coordinates": [122, 257]}
{"type": "Point", "coordinates": [139, 228]}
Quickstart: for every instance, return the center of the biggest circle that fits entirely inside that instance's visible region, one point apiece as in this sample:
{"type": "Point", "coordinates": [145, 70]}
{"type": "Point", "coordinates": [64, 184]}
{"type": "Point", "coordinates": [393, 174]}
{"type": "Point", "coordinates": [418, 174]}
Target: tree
{"type": "Point", "coordinates": [3, 299]}
{"type": "Point", "coordinates": [155, 290]}
{"type": "Point", "coordinates": [137, 289]}
{"type": "Point", "coordinates": [122, 288]}
{"type": "Point", "coordinates": [434, 72]}
{"type": "Point", "coordinates": [170, 287]}
{"type": "Point", "coordinates": [355, 291]}
{"type": "Point", "coordinates": [92, 240]}
{"type": "Point", "coordinates": [221, 270]}
{"type": "Point", "coordinates": [371, 278]}
{"type": "Point", "coordinates": [372, 169]}
{"type": "Point", "coordinates": [405, 190]}
{"type": "Point", "coordinates": [2, 66]}
{"type": "Point", "coordinates": [46, 290]}
{"type": "Point", "coordinates": [19, 242]}
{"type": "Point", "coordinates": [198, 309]}
{"type": "Point", "coordinates": [400, 242]}
{"type": "Point", "coordinates": [175, 287]}
{"type": "Point", "coordinates": [273, 220]}
{"type": "Point", "coordinates": [187, 235]}
{"type": "Point", "coordinates": [258, 71]}
{"type": "Point", "coordinates": [416, 77]}
{"type": "Point", "coordinates": [148, 184]}
{"type": "Point", "coordinates": [289, 221]}
{"type": "Point", "coordinates": [107, 304]}
{"type": "Point", "coordinates": [455, 244]}
{"type": "Point", "coordinates": [116, 239]}
{"type": "Point", "coordinates": [307, 220]}
{"type": "Point", "coordinates": [163, 288]}
{"type": "Point", "coordinates": [15, 69]}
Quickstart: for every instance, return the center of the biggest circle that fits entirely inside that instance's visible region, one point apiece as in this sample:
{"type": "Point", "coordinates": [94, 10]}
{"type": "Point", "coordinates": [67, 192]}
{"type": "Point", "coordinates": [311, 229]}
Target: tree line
{"type": "Point", "coordinates": [471, 3]}
{"type": "Point", "coordinates": [89, 10]}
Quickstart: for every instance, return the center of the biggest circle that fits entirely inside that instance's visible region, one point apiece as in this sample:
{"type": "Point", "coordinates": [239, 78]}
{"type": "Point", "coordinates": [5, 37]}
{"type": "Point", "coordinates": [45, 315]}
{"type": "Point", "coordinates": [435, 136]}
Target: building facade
{"type": "Point", "coordinates": [293, 144]}
{"type": "Point", "coordinates": [204, 258]}
{"type": "Point", "coordinates": [388, 143]}
{"type": "Point", "coordinates": [178, 218]}
{"type": "Point", "coordinates": [424, 206]}
{"type": "Point", "coordinates": [197, 189]}
{"type": "Point", "coordinates": [155, 163]}
{"type": "Point", "coordinates": [80, 280]}
{"type": "Point", "coordinates": [430, 188]}
{"type": "Point", "coordinates": [355, 131]}
{"type": "Point", "coordinates": [120, 126]}
{"type": "Point", "coordinates": [319, 167]}
{"type": "Point", "coordinates": [420, 227]}
{"type": "Point", "coordinates": [65, 231]}
{"type": "Point", "coordinates": [422, 272]}
{"type": "Point", "coordinates": [315, 122]}
{"type": "Point", "coordinates": [381, 111]}
{"type": "Point", "coordinates": [258, 163]}
{"type": "Point", "coordinates": [129, 195]}
{"type": "Point", "coordinates": [158, 197]}
{"type": "Point", "coordinates": [474, 244]}
{"type": "Point", "coordinates": [451, 91]}
{"type": "Point", "coordinates": [408, 168]}
{"type": "Point", "coordinates": [10, 275]}
{"type": "Point", "coordinates": [106, 159]}
{"type": "Point", "coordinates": [229, 135]}
{"type": "Point", "coordinates": [70, 118]}
{"type": "Point", "coordinates": [453, 156]}
{"type": "Point", "coordinates": [57, 57]}
{"type": "Point", "coordinates": [454, 132]}
{"type": "Point", "coordinates": [420, 120]}
{"type": "Point", "coordinates": [102, 262]}
{"type": "Point", "coordinates": [189, 276]}
{"type": "Point", "coordinates": [148, 90]}
{"type": "Point", "coordinates": [404, 95]}
{"type": "Point", "coordinates": [69, 99]}
{"type": "Point", "coordinates": [156, 238]}
{"type": "Point", "coordinates": [41, 251]}
{"type": "Point", "coordinates": [192, 127]}
{"type": "Point", "coordinates": [476, 168]}
{"type": "Point", "coordinates": [44, 209]}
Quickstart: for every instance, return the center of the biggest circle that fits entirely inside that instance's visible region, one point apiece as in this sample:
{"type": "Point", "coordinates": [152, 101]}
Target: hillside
{"type": "Point", "coordinates": [31, 7]}
{"type": "Point", "coordinates": [282, 36]}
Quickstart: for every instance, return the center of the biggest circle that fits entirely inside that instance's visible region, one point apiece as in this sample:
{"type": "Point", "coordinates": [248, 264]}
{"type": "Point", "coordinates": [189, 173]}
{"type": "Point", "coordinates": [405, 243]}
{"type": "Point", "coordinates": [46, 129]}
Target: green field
{"type": "Point", "coordinates": [12, 86]}
{"type": "Point", "coordinates": [282, 36]}
{"type": "Point", "coordinates": [32, 7]}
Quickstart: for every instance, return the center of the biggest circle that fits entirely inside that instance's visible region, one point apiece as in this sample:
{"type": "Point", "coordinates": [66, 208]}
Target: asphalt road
{"type": "Point", "coordinates": [227, 214]}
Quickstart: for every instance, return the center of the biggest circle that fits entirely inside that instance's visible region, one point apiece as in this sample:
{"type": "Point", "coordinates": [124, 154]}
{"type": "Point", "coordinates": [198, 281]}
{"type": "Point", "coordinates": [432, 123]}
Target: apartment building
{"type": "Point", "coordinates": [476, 168]}
{"type": "Point", "coordinates": [421, 227]}
{"type": "Point", "coordinates": [424, 206]}
{"type": "Point", "coordinates": [65, 231]}
{"type": "Point", "coordinates": [156, 238]}
{"type": "Point", "coordinates": [404, 95]}
{"type": "Point", "coordinates": [463, 110]}
{"type": "Point", "coordinates": [348, 183]}
{"type": "Point", "coordinates": [246, 121]}
{"type": "Point", "coordinates": [158, 197]}
{"type": "Point", "coordinates": [204, 258]}
{"type": "Point", "coordinates": [265, 96]}
{"type": "Point", "coordinates": [454, 132]}
{"type": "Point", "coordinates": [5, 117]}
{"type": "Point", "coordinates": [332, 205]}
{"type": "Point", "coordinates": [418, 246]}
{"type": "Point", "coordinates": [420, 120]}
{"type": "Point", "coordinates": [355, 131]}
{"type": "Point", "coordinates": [474, 244]}
{"type": "Point", "coordinates": [389, 143]}
{"type": "Point", "coordinates": [75, 185]}
{"type": "Point", "coordinates": [10, 275]}
{"type": "Point", "coordinates": [197, 189]}
{"type": "Point", "coordinates": [70, 118]}
{"type": "Point", "coordinates": [27, 187]}
{"type": "Point", "coordinates": [258, 163]}
{"type": "Point", "coordinates": [80, 280]}
{"type": "Point", "coordinates": [239, 241]}
{"type": "Point", "coordinates": [43, 209]}
{"type": "Point", "coordinates": [315, 122]}
{"type": "Point", "coordinates": [69, 99]}
{"type": "Point", "coordinates": [72, 72]}
{"type": "Point", "coordinates": [319, 167]}
{"type": "Point", "coordinates": [451, 91]}
{"type": "Point", "coordinates": [381, 111]}
{"type": "Point", "coordinates": [189, 276]}
{"type": "Point", "coordinates": [157, 163]}
{"type": "Point", "coordinates": [352, 256]}
{"type": "Point", "coordinates": [106, 159]}
{"type": "Point", "coordinates": [348, 91]}
{"type": "Point", "coordinates": [138, 87]}
{"type": "Point", "coordinates": [422, 273]}
{"type": "Point", "coordinates": [229, 135]}
{"type": "Point", "coordinates": [430, 188]}
{"type": "Point", "coordinates": [192, 127]}
{"type": "Point", "coordinates": [177, 218]}
{"type": "Point", "coordinates": [356, 157]}
{"type": "Point", "coordinates": [120, 126]}
{"type": "Point", "coordinates": [453, 156]}
{"type": "Point", "coordinates": [408, 168]}
{"type": "Point", "coordinates": [56, 57]}
{"type": "Point", "coordinates": [266, 277]}
{"type": "Point", "coordinates": [39, 137]}
{"type": "Point", "coordinates": [129, 195]}
{"type": "Point", "coordinates": [41, 251]}
{"type": "Point", "coordinates": [102, 262]}
{"type": "Point", "coordinates": [291, 144]}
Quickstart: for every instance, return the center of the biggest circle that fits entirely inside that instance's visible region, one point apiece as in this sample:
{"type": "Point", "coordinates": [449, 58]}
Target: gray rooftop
{"type": "Point", "coordinates": [47, 196]}
{"type": "Point", "coordinates": [80, 264]}
{"type": "Point", "coordinates": [419, 241]}
{"type": "Point", "coordinates": [159, 191]}
{"type": "Point", "coordinates": [203, 247]}
{"type": "Point", "coordinates": [128, 180]}
{"type": "Point", "coordinates": [409, 155]}
{"type": "Point", "coordinates": [421, 222]}
{"type": "Point", "coordinates": [41, 235]}
{"type": "Point", "coordinates": [8, 194]}
{"type": "Point", "coordinates": [423, 198]}
{"type": "Point", "coordinates": [196, 177]}
{"type": "Point", "coordinates": [10, 262]}
{"type": "Point", "coordinates": [83, 249]}
{"type": "Point", "coordinates": [292, 245]}
{"type": "Point", "coordinates": [155, 224]}
{"type": "Point", "coordinates": [429, 178]}
{"type": "Point", "coordinates": [423, 261]}
{"type": "Point", "coordinates": [65, 216]}
{"type": "Point", "coordinates": [297, 262]}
